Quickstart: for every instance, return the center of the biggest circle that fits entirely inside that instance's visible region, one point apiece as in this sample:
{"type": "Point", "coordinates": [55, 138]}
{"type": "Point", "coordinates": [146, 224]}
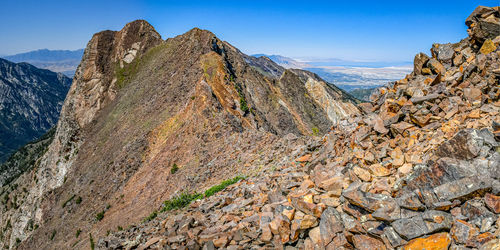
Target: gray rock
{"type": "Point", "coordinates": [330, 224]}
{"type": "Point", "coordinates": [428, 222]}
{"type": "Point", "coordinates": [393, 237]}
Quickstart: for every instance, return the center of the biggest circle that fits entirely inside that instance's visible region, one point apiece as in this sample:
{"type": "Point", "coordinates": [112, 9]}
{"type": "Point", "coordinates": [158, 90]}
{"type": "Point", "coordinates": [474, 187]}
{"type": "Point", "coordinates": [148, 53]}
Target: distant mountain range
{"type": "Point", "coordinates": [62, 61]}
{"type": "Point", "coordinates": [30, 102]}
{"type": "Point", "coordinates": [285, 62]}
{"type": "Point", "coordinates": [347, 74]}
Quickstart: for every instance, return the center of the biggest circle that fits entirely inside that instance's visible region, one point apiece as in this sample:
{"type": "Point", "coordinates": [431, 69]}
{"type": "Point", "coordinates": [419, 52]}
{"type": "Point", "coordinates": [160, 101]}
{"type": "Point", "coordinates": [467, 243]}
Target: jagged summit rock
{"type": "Point", "coordinates": [483, 24]}
{"type": "Point", "coordinates": [138, 106]}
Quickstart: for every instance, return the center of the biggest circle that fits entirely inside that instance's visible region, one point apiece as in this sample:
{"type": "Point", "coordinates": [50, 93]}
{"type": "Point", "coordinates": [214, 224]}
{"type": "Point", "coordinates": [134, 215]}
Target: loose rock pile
{"type": "Point", "coordinates": [420, 169]}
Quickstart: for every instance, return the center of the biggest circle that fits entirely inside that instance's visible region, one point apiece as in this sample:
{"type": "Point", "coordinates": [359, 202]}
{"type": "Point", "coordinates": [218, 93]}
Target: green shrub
{"type": "Point", "coordinates": [120, 228]}
{"type": "Point", "coordinates": [78, 200]}
{"type": "Point", "coordinates": [53, 235]}
{"type": "Point", "coordinates": [99, 216]}
{"type": "Point", "coordinates": [92, 244]}
{"type": "Point", "coordinates": [174, 169]}
{"type": "Point", "coordinates": [180, 201]}
{"type": "Point", "coordinates": [185, 199]}
{"type": "Point", "coordinates": [151, 216]}
{"type": "Point", "coordinates": [217, 188]}
{"type": "Point", "coordinates": [243, 105]}
{"type": "Point", "coordinates": [78, 233]}
{"type": "Point", "coordinates": [68, 201]}
{"type": "Point", "coordinates": [315, 131]}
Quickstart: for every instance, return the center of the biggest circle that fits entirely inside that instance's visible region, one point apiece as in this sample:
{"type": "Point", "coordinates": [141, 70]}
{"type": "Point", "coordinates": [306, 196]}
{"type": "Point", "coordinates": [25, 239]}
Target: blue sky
{"type": "Point", "coordinates": [354, 30]}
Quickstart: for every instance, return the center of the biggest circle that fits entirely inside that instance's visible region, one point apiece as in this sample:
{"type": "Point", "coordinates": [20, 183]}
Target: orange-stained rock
{"type": "Point", "coordinates": [398, 157]}
{"type": "Point", "coordinates": [463, 231]}
{"type": "Point", "coordinates": [379, 170]}
{"type": "Point", "coordinates": [480, 239]}
{"type": "Point", "coordinates": [363, 242]}
{"type": "Point", "coordinates": [493, 202]}
{"type": "Point", "coordinates": [437, 241]}
{"type": "Point", "coordinates": [362, 173]}
{"type": "Point", "coordinates": [304, 158]}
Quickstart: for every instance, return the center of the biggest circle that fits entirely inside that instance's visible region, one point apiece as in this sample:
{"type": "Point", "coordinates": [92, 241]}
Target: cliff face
{"type": "Point", "coordinates": [140, 105]}
{"type": "Point", "coordinates": [417, 169]}
{"type": "Point", "coordinates": [30, 102]}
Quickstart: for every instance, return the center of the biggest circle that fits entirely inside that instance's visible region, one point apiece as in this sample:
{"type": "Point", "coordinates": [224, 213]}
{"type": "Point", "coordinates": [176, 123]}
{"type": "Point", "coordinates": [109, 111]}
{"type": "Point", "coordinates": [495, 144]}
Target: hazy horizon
{"type": "Point", "coordinates": [357, 31]}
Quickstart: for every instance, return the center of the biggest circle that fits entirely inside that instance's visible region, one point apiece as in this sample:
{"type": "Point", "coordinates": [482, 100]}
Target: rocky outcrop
{"type": "Point", "coordinates": [30, 102]}
{"type": "Point", "coordinates": [483, 24]}
{"type": "Point", "coordinates": [418, 170]}
{"type": "Point", "coordinates": [93, 87]}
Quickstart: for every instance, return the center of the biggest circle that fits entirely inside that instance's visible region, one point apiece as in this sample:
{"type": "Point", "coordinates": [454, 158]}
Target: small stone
{"type": "Point", "coordinates": [398, 157]}
{"type": "Point", "coordinates": [315, 235]}
{"type": "Point", "coordinates": [480, 239]}
{"type": "Point", "coordinates": [405, 169]}
{"type": "Point", "coordinates": [491, 245]}
{"type": "Point", "coordinates": [492, 202]}
{"type": "Point", "coordinates": [379, 126]}
{"type": "Point", "coordinates": [304, 158]}
{"type": "Point", "coordinates": [434, 242]}
{"type": "Point", "coordinates": [463, 231]}
{"type": "Point", "coordinates": [220, 242]}
{"type": "Point", "coordinates": [418, 63]}
{"type": "Point", "coordinates": [368, 201]}
{"type": "Point", "coordinates": [379, 170]}
{"type": "Point", "coordinates": [426, 71]}
{"type": "Point", "coordinates": [308, 221]}
{"type": "Point", "coordinates": [394, 239]}
{"type": "Point", "coordinates": [436, 66]}
{"type": "Point", "coordinates": [365, 242]}
{"type": "Point", "coordinates": [362, 173]}
{"type": "Point", "coordinates": [330, 224]}
{"type": "Point", "coordinates": [428, 222]}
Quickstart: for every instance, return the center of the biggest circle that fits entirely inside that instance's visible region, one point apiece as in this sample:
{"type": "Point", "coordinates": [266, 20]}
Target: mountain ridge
{"type": "Point", "coordinates": [151, 103]}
